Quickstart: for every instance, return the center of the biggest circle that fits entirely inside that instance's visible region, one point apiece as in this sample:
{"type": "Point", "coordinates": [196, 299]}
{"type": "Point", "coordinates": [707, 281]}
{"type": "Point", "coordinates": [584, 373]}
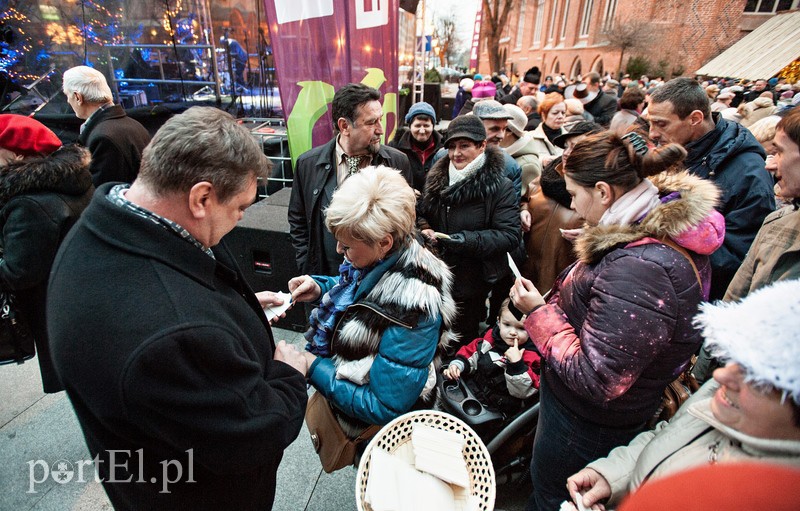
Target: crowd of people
{"type": "Point", "coordinates": [652, 221]}
{"type": "Point", "coordinates": [729, 173]}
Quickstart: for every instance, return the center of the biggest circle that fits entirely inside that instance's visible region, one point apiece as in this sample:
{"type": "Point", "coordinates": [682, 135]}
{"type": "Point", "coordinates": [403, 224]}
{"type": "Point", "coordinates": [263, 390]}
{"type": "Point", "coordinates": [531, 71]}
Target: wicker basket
{"type": "Point", "coordinates": [398, 432]}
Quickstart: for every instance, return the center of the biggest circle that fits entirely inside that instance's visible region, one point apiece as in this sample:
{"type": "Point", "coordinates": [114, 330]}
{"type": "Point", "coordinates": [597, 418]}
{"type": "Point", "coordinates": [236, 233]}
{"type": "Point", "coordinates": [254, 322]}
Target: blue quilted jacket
{"type": "Point", "coordinates": [402, 311]}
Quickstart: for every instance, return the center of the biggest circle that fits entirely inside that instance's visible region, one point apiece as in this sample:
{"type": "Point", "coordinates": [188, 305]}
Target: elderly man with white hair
{"type": "Point", "coordinates": [115, 140]}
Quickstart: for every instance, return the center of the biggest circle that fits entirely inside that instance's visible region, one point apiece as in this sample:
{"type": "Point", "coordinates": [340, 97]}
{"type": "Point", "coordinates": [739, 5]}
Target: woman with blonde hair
{"type": "Point", "coordinates": [712, 91]}
{"type": "Point", "coordinates": [617, 325]}
{"type": "Point", "coordinates": [378, 328]}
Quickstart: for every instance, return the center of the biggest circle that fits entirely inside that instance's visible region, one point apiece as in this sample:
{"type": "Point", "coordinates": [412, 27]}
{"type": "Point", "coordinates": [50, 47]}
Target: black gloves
{"type": "Point", "coordinates": [457, 243]}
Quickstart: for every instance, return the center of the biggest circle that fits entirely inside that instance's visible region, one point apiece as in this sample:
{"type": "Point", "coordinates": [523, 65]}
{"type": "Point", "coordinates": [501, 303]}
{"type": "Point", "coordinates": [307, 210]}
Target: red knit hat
{"type": "Point", "coordinates": [25, 136]}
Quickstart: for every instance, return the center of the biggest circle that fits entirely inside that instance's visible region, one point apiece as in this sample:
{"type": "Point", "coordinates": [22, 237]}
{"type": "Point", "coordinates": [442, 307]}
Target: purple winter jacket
{"type": "Point", "coordinates": [618, 326]}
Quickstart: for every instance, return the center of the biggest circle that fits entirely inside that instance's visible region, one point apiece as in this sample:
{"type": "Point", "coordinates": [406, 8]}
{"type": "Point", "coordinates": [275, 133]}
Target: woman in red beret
{"type": "Point", "coordinates": [44, 187]}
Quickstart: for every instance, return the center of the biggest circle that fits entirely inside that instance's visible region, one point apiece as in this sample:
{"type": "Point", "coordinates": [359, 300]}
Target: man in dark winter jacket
{"type": "Point", "coordinates": [528, 86]}
{"type": "Point", "coordinates": [357, 115]}
{"type": "Point", "coordinates": [602, 106]}
{"type": "Point", "coordinates": [184, 399]}
{"type": "Point", "coordinates": [723, 152]}
{"type": "Point", "coordinates": [758, 88]}
{"type": "Point", "coordinates": [115, 140]}
{"type": "Point", "coordinates": [529, 105]}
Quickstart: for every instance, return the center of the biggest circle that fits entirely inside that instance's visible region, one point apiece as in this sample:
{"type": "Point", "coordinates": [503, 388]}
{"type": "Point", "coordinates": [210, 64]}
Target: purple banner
{"type": "Point", "coordinates": [321, 45]}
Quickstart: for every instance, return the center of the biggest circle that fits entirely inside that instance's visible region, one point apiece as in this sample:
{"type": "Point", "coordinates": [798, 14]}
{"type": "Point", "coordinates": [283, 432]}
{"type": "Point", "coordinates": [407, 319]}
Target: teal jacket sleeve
{"type": "Point", "coordinates": [397, 376]}
{"type": "Point", "coordinates": [325, 283]}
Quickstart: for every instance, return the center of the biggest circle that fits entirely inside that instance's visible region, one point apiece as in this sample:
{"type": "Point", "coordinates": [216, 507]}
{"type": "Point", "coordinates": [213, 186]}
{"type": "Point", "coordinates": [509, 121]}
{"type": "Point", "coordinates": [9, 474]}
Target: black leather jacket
{"type": "Point", "coordinates": [312, 190]}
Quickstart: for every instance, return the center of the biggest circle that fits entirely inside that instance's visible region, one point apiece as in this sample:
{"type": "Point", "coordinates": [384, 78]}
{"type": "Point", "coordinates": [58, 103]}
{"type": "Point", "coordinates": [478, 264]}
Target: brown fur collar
{"type": "Point", "coordinates": [65, 171]}
{"type": "Point", "coordinates": [481, 185]}
{"type": "Point", "coordinates": [698, 198]}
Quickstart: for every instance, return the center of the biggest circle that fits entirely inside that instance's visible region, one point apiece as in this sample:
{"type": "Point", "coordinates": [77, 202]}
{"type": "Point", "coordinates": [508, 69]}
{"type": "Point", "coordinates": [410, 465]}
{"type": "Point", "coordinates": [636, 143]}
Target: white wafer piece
{"type": "Point", "coordinates": [440, 453]}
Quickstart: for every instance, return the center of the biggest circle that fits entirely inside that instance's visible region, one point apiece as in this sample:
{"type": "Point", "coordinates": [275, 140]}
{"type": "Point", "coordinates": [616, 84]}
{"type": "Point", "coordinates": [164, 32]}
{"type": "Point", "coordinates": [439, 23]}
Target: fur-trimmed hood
{"type": "Point", "coordinates": [696, 203]}
{"type": "Point", "coordinates": [482, 184]}
{"type": "Point", "coordinates": [64, 171]}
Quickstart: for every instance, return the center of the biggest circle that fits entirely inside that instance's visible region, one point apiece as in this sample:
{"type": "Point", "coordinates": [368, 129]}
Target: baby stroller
{"type": "Point", "coordinates": [509, 439]}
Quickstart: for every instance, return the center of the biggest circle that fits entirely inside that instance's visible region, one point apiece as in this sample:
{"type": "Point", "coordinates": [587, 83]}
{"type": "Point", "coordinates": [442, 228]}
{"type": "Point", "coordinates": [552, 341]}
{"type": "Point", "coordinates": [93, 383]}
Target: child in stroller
{"type": "Point", "coordinates": [499, 371]}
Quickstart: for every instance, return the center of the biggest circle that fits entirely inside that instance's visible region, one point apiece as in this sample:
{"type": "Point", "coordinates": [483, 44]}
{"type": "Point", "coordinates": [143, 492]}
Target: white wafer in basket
{"type": "Point", "coordinates": [395, 438]}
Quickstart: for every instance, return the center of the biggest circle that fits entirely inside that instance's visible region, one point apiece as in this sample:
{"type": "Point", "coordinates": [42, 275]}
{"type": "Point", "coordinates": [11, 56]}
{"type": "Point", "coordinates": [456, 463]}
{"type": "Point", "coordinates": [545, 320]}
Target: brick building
{"type": "Point", "coordinates": [675, 36]}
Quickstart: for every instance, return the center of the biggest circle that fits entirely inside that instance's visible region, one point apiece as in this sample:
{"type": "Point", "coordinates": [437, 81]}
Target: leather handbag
{"type": "Point", "coordinates": [676, 393]}
{"type": "Point", "coordinates": [334, 448]}
{"type": "Point", "coordinates": [16, 338]}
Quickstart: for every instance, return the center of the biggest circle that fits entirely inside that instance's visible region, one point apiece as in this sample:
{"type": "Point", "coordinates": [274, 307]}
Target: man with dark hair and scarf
{"type": "Point", "coordinates": [357, 116]}
{"type": "Point", "coordinates": [723, 152]}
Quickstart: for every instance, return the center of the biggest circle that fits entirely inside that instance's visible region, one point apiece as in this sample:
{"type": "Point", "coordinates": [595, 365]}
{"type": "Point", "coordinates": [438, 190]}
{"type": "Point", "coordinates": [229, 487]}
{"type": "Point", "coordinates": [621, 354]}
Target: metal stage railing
{"type": "Point", "coordinates": [214, 84]}
{"type": "Point", "coordinates": [272, 136]}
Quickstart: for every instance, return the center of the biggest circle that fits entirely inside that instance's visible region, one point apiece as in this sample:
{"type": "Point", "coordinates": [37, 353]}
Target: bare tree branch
{"type": "Point", "coordinates": [495, 20]}
{"type": "Point", "coordinates": [449, 41]}
{"type": "Point", "coordinates": [630, 35]}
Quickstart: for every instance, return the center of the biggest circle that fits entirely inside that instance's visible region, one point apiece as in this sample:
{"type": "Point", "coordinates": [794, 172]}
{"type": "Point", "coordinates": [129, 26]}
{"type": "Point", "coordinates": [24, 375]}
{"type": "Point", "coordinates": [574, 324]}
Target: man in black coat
{"type": "Point", "coordinates": [165, 352]}
{"type": "Point", "coordinates": [724, 152]}
{"type": "Point", "coordinates": [357, 114]}
{"type": "Point", "coordinates": [115, 140]}
{"type": "Point", "coordinates": [528, 86]}
{"type": "Point", "coordinates": [756, 90]}
{"type": "Point", "coordinates": [602, 106]}
{"type": "Point", "coordinates": [529, 105]}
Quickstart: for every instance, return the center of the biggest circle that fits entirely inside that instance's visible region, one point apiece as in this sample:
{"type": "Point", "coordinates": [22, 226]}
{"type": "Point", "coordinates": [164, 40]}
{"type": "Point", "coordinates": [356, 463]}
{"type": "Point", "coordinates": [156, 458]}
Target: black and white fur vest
{"type": "Point", "coordinates": [418, 285]}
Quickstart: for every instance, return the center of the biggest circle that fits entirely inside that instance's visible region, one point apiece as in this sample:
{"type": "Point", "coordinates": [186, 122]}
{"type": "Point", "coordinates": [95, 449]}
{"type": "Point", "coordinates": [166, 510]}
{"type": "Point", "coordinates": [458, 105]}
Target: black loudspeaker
{"type": "Point", "coordinates": [446, 110]}
{"type": "Point", "coordinates": [409, 5]}
{"type": "Point", "coordinates": [263, 249]}
{"type": "Point", "coordinates": [432, 94]}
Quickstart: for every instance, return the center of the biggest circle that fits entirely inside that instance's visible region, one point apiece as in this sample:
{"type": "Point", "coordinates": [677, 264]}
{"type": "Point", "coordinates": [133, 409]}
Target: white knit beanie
{"type": "Point", "coordinates": [761, 333]}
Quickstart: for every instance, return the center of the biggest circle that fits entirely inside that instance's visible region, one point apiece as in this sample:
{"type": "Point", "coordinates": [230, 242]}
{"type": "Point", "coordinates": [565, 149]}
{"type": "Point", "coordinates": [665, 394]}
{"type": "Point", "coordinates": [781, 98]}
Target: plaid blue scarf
{"type": "Point", "coordinates": [323, 319]}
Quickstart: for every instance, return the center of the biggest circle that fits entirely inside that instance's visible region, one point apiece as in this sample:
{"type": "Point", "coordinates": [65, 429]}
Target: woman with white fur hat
{"type": "Point", "coordinates": [750, 411]}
